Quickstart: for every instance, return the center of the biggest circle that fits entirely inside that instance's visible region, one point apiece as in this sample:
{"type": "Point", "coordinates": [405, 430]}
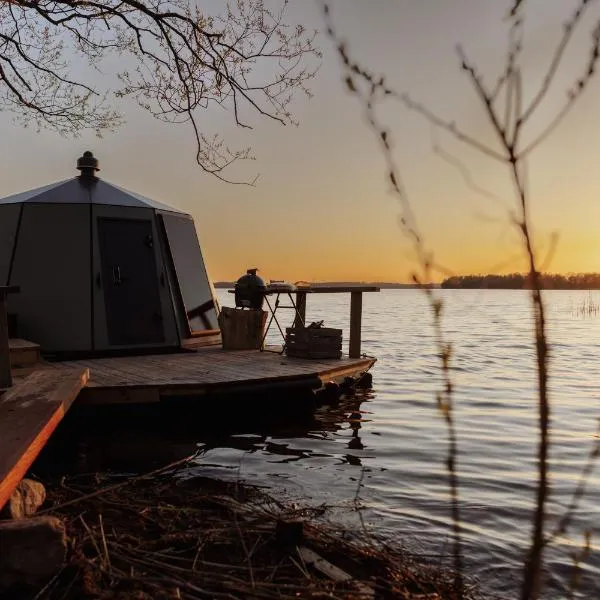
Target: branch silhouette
{"type": "Point", "coordinates": [179, 60]}
{"type": "Point", "coordinates": [508, 122]}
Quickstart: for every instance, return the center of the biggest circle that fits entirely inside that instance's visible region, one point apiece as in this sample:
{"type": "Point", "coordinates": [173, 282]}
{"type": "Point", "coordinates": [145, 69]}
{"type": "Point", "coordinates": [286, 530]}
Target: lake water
{"type": "Point", "coordinates": [393, 440]}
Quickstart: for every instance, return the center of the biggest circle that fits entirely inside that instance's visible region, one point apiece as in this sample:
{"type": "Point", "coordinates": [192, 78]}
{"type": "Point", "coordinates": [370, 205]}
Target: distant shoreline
{"type": "Point", "coordinates": [512, 281]}
{"type": "Point", "coordinates": [520, 281]}
{"type": "Point", "coordinates": [383, 285]}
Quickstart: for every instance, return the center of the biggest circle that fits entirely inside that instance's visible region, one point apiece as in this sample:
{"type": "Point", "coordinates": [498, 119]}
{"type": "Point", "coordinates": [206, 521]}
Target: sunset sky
{"type": "Point", "coordinates": [321, 208]}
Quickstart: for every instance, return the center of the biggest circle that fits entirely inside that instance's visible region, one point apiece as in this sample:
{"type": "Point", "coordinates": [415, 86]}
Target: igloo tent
{"type": "Point", "coordinates": [101, 269]}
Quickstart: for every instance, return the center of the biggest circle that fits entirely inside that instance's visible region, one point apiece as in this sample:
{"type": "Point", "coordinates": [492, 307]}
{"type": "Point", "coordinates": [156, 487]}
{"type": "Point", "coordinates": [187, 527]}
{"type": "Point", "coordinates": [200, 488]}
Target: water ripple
{"type": "Point", "coordinates": [394, 442]}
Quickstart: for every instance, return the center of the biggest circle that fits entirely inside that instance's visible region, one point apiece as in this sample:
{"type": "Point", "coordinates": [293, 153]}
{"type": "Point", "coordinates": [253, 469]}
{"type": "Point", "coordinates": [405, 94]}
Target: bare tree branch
{"type": "Point", "coordinates": [573, 95]}
{"type": "Point", "coordinates": [570, 27]}
{"type": "Point", "coordinates": [369, 89]}
{"type": "Point", "coordinates": [178, 62]}
{"type": "Point", "coordinates": [508, 130]}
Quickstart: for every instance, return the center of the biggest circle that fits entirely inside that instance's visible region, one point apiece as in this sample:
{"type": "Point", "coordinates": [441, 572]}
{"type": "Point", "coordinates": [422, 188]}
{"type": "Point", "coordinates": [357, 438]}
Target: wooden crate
{"type": "Point", "coordinates": [306, 342]}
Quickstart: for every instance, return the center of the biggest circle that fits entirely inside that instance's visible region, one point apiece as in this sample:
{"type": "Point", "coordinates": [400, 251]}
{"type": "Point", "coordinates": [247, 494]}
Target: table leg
{"type": "Point", "coordinates": [273, 318]}
{"type": "Point", "coordinates": [5, 373]}
{"type": "Point", "coordinates": [262, 343]}
{"type": "Point", "coordinates": [300, 319]}
{"type": "Point", "coordinates": [276, 321]}
{"type": "Point", "coordinates": [355, 324]}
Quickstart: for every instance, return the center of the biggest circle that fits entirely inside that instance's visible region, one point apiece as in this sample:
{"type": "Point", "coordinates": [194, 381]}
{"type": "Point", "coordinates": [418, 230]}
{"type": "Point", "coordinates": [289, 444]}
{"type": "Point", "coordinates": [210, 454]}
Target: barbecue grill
{"type": "Point", "coordinates": [250, 290]}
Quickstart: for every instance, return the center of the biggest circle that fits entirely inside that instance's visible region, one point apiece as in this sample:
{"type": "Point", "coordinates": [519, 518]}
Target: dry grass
{"type": "Point", "coordinates": [163, 537]}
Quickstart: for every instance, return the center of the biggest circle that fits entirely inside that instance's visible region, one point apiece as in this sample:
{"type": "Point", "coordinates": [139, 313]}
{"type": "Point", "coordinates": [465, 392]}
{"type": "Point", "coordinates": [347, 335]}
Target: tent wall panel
{"type": "Point", "coordinates": [100, 270]}
{"type": "Point", "coordinates": [192, 276]}
{"type": "Point", "coordinates": [102, 337]}
{"type": "Point", "coordinates": [9, 221]}
{"type": "Point", "coordinates": [51, 265]}
{"type": "Point", "coordinates": [183, 326]}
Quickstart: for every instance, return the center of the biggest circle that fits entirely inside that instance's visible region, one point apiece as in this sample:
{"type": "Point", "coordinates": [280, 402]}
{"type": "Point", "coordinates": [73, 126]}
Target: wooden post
{"type": "Point", "coordinates": [301, 308]}
{"type": "Point", "coordinates": [355, 324]}
{"type": "Point", "coordinates": [5, 374]}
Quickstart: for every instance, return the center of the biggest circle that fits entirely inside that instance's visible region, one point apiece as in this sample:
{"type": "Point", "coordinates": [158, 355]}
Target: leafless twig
{"type": "Point", "coordinates": [179, 59]}
{"type": "Point", "coordinates": [508, 124]}
{"type": "Point", "coordinates": [369, 89]}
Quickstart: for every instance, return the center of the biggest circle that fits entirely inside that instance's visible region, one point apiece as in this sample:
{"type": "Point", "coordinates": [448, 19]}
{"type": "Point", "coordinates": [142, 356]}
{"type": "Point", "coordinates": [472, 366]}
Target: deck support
{"type": "Point", "coordinates": [300, 310]}
{"type": "Point", "coordinates": [355, 324]}
{"type": "Point", "coordinates": [356, 293]}
{"type": "Point", "coordinates": [5, 373]}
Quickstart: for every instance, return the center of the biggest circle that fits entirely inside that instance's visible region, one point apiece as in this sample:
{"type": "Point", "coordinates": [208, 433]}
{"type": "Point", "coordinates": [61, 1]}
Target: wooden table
{"type": "Point", "coordinates": [355, 291]}
{"type": "Point", "coordinates": [5, 374]}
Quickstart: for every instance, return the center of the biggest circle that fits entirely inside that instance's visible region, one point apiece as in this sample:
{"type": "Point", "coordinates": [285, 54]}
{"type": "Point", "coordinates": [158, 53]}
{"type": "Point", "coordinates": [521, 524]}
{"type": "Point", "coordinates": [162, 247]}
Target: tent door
{"type": "Point", "coordinates": [130, 282]}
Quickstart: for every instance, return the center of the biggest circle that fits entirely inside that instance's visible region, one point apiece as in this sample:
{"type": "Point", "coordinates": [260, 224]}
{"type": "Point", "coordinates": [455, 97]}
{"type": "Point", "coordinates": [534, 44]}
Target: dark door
{"type": "Point", "coordinates": [130, 282]}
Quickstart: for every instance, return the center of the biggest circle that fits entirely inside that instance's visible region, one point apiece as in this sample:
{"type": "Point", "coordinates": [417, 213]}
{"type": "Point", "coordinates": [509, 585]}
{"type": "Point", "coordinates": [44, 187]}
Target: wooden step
{"type": "Point", "coordinates": [210, 337]}
{"type": "Point", "coordinates": [29, 414]}
{"type": "Point", "coordinates": [23, 353]}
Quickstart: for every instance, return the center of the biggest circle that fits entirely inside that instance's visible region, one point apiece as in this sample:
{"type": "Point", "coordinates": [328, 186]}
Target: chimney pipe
{"type": "Point", "coordinates": [87, 165]}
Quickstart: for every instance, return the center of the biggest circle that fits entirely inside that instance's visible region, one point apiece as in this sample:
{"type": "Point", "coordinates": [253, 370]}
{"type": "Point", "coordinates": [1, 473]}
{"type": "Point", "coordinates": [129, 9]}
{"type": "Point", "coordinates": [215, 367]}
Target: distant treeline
{"type": "Point", "coordinates": [519, 281]}
{"type": "Point", "coordinates": [384, 285]}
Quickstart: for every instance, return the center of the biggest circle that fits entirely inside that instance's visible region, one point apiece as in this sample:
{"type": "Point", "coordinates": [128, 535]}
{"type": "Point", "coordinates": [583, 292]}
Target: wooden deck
{"type": "Point", "coordinates": [29, 413]}
{"type": "Point", "coordinates": [209, 370]}
{"type": "Point", "coordinates": [42, 393]}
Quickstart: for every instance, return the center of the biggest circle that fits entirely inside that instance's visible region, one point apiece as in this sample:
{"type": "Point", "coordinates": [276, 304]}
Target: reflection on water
{"type": "Point", "coordinates": [393, 441]}
{"type": "Point", "coordinates": [390, 444]}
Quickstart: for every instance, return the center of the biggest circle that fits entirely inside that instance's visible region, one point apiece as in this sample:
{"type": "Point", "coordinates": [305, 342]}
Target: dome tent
{"type": "Point", "coordinates": [102, 269]}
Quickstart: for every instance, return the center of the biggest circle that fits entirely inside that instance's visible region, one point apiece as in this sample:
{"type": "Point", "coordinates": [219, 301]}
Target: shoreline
{"type": "Point", "coordinates": [162, 536]}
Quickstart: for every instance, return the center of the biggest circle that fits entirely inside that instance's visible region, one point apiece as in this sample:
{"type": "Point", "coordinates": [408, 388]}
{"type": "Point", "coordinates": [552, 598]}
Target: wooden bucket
{"type": "Point", "coordinates": [242, 329]}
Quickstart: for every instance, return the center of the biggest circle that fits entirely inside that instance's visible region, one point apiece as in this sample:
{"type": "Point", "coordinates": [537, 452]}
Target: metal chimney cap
{"type": "Point", "coordinates": [87, 163]}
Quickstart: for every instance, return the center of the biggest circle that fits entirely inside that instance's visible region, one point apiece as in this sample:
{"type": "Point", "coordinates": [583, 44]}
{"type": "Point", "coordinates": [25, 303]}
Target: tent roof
{"type": "Point", "coordinates": [70, 191]}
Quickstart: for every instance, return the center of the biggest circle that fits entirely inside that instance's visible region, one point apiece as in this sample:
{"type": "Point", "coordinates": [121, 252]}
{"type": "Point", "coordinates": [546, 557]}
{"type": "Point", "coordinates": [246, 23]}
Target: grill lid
{"type": "Point", "coordinates": [250, 290]}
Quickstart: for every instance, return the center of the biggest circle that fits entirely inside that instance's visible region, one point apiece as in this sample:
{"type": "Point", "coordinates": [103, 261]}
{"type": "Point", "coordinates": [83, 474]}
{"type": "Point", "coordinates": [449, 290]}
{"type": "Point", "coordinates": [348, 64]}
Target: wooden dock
{"type": "Point", "coordinates": [42, 393]}
{"type": "Point", "coordinates": [35, 395]}
{"type": "Point", "coordinates": [208, 371]}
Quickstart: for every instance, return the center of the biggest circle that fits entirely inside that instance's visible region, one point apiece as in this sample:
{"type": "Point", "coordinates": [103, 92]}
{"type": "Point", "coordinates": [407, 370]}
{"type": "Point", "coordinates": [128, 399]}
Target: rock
{"type": "Point", "coordinates": [27, 497]}
{"type": "Point", "coordinates": [329, 394]}
{"type": "Point", "coordinates": [289, 534]}
{"type": "Point", "coordinates": [31, 550]}
{"type": "Point", "coordinates": [365, 381]}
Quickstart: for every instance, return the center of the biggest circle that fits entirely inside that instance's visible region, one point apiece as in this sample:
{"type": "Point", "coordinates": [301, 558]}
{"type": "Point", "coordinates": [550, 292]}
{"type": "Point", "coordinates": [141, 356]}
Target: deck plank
{"type": "Point", "coordinates": [29, 413]}
{"type": "Point", "coordinates": [210, 368]}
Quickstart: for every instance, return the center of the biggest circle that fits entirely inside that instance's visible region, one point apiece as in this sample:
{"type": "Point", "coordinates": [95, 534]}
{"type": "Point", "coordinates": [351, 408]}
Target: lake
{"type": "Point", "coordinates": [393, 442]}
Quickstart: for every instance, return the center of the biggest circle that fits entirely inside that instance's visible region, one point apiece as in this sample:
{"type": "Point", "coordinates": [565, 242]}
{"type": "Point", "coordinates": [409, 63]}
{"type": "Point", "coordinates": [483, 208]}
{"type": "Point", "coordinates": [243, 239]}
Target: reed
{"type": "Point", "coordinates": [508, 114]}
{"type": "Point", "coordinates": [587, 307]}
{"type": "Point", "coordinates": [368, 94]}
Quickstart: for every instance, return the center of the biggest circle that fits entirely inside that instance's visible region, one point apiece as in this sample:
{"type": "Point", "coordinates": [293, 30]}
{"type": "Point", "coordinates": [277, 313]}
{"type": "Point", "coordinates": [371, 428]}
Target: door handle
{"type": "Point", "coordinates": [116, 273]}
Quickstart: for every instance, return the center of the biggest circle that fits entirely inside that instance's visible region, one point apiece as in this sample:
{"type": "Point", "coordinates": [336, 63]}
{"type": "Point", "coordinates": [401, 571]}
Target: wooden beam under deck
{"type": "Point", "coordinates": [209, 370]}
